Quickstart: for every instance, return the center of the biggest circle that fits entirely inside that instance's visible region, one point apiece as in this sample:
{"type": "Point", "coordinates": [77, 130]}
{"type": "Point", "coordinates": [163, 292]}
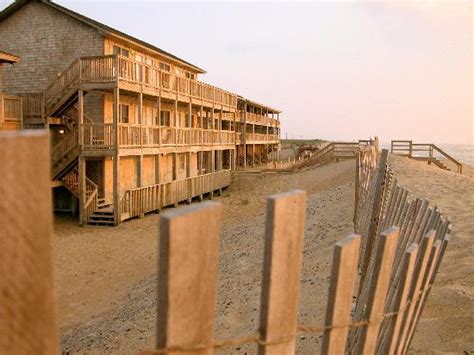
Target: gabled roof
{"type": "Point", "coordinates": [104, 29]}
{"type": "Point", "coordinates": [8, 58]}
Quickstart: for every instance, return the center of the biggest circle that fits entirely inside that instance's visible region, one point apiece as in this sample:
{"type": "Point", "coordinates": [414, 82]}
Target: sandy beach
{"type": "Point", "coordinates": [106, 277]}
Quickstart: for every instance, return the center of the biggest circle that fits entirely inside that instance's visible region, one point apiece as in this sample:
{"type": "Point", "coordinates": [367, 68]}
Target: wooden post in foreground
{"type": "Point", "coordinates": [338, 310]}
{"type": "Point", "coordinates": [187, 277]}
{"type": "Point", "coordinates": [28, 322]}
{"type": "Point", "coordinates": [283, 254]}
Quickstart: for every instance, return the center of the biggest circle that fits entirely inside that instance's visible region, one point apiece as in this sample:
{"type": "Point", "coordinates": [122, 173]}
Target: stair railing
{"type": "Point", "coordinates": [447, 156]}
{"type": "Point", "coordinates": [63, 148]}
{"type": "Point", "coordinates": [64, 81]}
{"type": "Point", "coordinates": [71, 182]}
{"type": "Point", "coordinates": [407, 148]}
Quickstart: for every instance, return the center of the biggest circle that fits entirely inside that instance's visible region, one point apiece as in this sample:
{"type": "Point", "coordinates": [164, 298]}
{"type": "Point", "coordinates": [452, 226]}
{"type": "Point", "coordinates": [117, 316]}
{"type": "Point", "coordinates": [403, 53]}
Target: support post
{"type": "Point", "coordinates": [82, 190]}
{"type": "Point", "coordinates": [116, 162]}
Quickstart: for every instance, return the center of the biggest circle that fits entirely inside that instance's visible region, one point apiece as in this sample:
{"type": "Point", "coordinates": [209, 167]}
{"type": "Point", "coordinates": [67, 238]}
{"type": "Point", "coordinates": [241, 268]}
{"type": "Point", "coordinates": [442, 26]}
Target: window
{"type": "Point", "coordinates": [181, 162]}
{"type": "Point", "coordinates": [124, 113]}
{"type": "Point", "coordinates": [191, 76]}
{"type": "Point", "coordinates": [165, 67]}
{"type": "Point", "coordinates": [165, 118]}
{"type": "Point", "coordinates": [122, 51]}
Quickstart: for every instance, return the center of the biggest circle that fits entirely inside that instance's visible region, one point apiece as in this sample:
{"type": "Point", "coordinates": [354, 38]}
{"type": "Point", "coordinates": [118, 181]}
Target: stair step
{"type": "Point", "coordinates": [105, 210]}
{"type": "Point", "coordinates": [101, 217]}
{"type": "Point", "coordinates": [100, 223]}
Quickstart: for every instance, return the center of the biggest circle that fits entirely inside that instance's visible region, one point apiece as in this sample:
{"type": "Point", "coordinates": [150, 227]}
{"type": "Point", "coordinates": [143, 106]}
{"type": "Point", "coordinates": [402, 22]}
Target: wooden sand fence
{"type": "Point", "coordinates": [390, 296]}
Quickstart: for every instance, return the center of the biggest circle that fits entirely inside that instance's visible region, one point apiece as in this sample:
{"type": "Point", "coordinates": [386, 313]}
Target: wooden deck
{"type": "Point", "coordinates": [428, 152]}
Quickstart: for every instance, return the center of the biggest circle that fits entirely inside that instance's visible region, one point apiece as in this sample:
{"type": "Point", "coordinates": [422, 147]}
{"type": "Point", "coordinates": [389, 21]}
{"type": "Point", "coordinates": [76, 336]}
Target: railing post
{"type": "Point", "coordinates": [80, 70]}
{"type": "Point", "coordinates": [410, 149]}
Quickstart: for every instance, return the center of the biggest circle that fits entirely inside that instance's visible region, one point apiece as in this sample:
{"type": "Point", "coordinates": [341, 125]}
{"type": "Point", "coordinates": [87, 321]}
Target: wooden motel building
{"type": "Point", "coordinates": [132, 129]}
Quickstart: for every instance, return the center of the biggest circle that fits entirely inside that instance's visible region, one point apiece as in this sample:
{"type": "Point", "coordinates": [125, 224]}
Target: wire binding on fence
{"type": "Point", "coordinates": [301, 329]}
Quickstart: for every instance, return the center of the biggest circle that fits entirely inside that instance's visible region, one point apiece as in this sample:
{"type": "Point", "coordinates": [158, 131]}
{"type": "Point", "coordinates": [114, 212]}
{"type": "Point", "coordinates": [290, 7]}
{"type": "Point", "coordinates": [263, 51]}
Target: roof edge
{"type": "Point", "coordinates": [18, 4]}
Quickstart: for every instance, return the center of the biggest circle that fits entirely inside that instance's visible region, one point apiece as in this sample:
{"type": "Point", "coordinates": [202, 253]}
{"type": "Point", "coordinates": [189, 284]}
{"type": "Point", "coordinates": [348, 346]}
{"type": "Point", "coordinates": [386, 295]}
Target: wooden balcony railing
{"type": "Point", "coordinates": [260, 137]}
{"type": "Point", "coordinates": [142, 200]}
{"type": "Point", "coordinates": [115, 68]}
{"type": "Point", "coordinates": [32, 109]}
{"type": "Point", "coordinates": [157, 136]}
{"type": "Point", "coordinates": [260, 119]}
{"type": "Point", "coordinates": [11, 111]}
{"type": "Point", "coordinates": [150, 76]}
{"type": "Point", "coordinates": [99, 136]}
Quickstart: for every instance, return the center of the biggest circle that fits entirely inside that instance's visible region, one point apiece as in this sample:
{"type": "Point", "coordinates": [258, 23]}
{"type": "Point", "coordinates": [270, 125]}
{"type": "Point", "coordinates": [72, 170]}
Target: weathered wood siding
{"type": "Point", "coordinates": [47, 42]}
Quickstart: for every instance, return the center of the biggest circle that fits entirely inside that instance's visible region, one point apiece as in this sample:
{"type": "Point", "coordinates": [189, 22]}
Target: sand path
{"type": "Point", "coordinates": [107, 283]}
{"type": "Point", "coordinates": [107, 276]}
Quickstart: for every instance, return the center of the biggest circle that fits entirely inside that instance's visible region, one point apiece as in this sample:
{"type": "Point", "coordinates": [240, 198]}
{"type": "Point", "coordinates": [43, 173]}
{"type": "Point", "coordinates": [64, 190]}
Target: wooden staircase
{"type": "Point", "coordinates": [64, 155]}
{"type": "Point", "coordinates": [332, 151]}
{"type": "Point", "coordinates": [62, 93]}
{"type": "Point", "coordinates": [97, 212]}
{"type": "Point", "coordinates": [60, 101]}
{"type": "Point", "coordinates": [425, 152]}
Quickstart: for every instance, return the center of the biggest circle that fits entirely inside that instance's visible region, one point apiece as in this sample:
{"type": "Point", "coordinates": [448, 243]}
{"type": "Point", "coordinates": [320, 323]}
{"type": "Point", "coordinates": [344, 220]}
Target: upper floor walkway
{"type": "Point", "coordinates": [115, 71]}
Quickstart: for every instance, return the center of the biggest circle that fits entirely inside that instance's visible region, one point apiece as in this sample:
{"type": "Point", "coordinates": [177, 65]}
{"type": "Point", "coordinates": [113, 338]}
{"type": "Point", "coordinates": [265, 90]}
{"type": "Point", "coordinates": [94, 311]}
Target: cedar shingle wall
{"type": "Point", "coordinates": [47, 42]}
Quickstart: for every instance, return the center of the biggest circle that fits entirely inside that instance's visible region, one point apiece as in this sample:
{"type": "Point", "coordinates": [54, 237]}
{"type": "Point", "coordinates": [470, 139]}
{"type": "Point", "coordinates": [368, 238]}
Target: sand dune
{"type": "Point", "coordinates": [447, 322]}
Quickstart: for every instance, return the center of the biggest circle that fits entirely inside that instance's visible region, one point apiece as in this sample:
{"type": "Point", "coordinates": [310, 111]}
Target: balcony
{"type": "Point", "coordinates": [254, 118]}
{"type": "Point", "coordinates": [110, 71]}
{"type": "Point", "coordinates": [101, 137]}
{"type": "Point", "coordinates": [11, 112]}
{"type": "Point", "coordinates": [260, 138]}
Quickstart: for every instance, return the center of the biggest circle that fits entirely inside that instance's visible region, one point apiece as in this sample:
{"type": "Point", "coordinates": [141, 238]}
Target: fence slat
{"type": "Point", "coordinates": [421, 264]}
{"type": "Point", "coordinates": [338, 311]}
{"type": "Point", "coordinates": [375, 212]}
{"type": "Point", "coordinates": [429, 276]}
{"type": "Point", "coordinates": [380, 281]}
{"type": "Point", "coordinates": [188, 262]}
{"type": "Point", "coordinates": [28, 323]}
{"type": "Point", "coordinates": [284, 234]}
{"type": "Point", "coordinates": [401, 300]}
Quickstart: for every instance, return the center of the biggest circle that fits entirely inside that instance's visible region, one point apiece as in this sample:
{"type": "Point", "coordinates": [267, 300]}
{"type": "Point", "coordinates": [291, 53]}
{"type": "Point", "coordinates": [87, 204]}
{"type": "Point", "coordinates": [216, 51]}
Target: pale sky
{"type": "Point", "coordinates": [337, 70]}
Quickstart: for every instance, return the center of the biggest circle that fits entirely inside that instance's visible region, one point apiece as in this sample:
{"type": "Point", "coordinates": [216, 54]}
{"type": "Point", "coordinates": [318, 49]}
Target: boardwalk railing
{"type": "Point", "coordinates": [424, 151]}
{"type": "Point", "coordinates": [402, 266]}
